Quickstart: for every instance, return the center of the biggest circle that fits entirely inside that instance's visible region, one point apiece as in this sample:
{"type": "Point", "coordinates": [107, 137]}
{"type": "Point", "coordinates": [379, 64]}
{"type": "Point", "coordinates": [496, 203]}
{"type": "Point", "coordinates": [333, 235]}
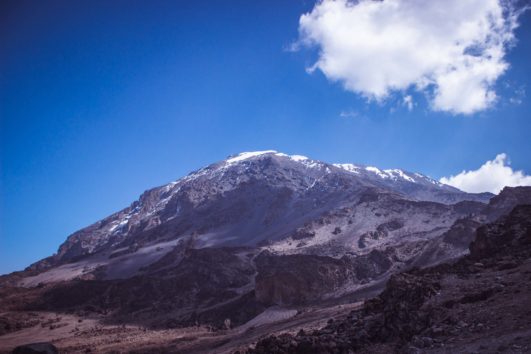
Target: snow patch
{"type": "Point", "coordinates": [298, 158]}
{"type": "Point", "coordinates": [247, 155]}
{"type": "Point", "coordinates": [348, 167]}
{"type": "Point", "coordinates": [396, 173]}
{"type": "Point", "coordinates": [377, 171]}
{"type": "Point", "coordinates": [120, 223]}
{"type": "Point", "coordinates": [310, 163]}
{"type": "Point", "coordinates": [393, 174]}
{"type": "Point", "coordinates": [429, 179]}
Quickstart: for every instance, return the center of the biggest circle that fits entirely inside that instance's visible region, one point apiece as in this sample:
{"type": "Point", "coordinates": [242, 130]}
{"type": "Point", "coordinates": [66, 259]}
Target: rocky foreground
{"type": "Point", "coordinates": [481, 303]}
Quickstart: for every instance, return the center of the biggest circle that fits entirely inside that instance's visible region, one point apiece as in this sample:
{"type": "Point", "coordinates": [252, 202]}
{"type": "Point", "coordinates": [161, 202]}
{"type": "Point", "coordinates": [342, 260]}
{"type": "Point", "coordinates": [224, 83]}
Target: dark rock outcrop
{"type": "Point", "coordinates": [506, 200]}
{"type": "Point", "coordinates": [36, 348]}
{"type": "Point", "coordinates": [301, 279]}
{"type": "Point", "coordinates": [298, 279]}
{"type": "Point", "coordinates": [511, 231]}
{"type": "Point", "coordinates": [396, 314]}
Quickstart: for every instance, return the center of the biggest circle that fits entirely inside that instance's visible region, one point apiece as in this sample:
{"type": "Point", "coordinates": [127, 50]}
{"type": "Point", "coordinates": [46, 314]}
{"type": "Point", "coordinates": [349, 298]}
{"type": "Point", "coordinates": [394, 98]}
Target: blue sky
{"type": "Point", "coordinates": [101, 100]}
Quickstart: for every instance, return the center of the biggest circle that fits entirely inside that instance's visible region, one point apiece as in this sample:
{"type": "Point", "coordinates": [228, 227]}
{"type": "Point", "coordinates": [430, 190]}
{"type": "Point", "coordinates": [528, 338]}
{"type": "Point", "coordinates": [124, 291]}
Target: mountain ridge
{"type": "Point", "coordinates": [152, 207]}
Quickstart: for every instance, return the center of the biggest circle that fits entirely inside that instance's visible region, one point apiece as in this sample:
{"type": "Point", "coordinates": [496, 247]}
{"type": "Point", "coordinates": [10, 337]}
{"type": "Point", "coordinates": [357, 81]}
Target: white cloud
{"type": "Point", "coordinates": [518, 96]}
{"type": "Point", "coordinates": [453, 50]}
{"type": "Point", "coordinates": [349, 114]}
{"type": "Point", "coordinates": [408, 102]}
{"type": "Point", "coordinates": [491, 177]}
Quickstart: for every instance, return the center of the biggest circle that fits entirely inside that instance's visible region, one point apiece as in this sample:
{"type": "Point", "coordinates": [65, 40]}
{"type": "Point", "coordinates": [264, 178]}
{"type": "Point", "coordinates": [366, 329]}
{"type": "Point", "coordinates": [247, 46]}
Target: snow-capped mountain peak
{"type": "Point", "coordinates": [251, 154]}
{"type": "Point", "coordinates": [265, 177]}
{"type": "Point", "coordinates": [247, 155]}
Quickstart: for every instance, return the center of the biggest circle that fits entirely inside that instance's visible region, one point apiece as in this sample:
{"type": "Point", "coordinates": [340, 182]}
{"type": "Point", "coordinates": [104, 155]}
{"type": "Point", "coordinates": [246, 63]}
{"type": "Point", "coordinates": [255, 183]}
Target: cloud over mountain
{"type": "Point", "coordinates": [491, 177]}
{"type": "Point", "coordinates": [451, 50]}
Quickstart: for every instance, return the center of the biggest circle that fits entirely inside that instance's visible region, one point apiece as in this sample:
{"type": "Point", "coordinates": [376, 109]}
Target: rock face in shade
{"type": "Point", "coordinates": [508, 232]}
{"type": "Point", "coordinates": [255, 230]}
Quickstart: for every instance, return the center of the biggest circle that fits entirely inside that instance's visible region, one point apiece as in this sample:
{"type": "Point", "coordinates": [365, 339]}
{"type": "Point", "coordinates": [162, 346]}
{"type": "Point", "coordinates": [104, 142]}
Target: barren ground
{"type": "Point", "coordinates": [74, 334]}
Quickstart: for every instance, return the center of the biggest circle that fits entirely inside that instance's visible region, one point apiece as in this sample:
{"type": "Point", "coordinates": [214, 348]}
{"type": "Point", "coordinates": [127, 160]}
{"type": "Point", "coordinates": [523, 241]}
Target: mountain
{"type": "Point", "coordinates": [272, 202]}
{"type": "Point", "coordinates": [256, 198]}
{"type": "Point", "coordinates": [250, 238]}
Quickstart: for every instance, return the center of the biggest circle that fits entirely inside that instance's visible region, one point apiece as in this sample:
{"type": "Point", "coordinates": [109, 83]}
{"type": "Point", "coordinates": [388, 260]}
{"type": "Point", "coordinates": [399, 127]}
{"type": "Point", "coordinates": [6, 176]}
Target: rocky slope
{"type": "Point", "coordinates": [479, 304]}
